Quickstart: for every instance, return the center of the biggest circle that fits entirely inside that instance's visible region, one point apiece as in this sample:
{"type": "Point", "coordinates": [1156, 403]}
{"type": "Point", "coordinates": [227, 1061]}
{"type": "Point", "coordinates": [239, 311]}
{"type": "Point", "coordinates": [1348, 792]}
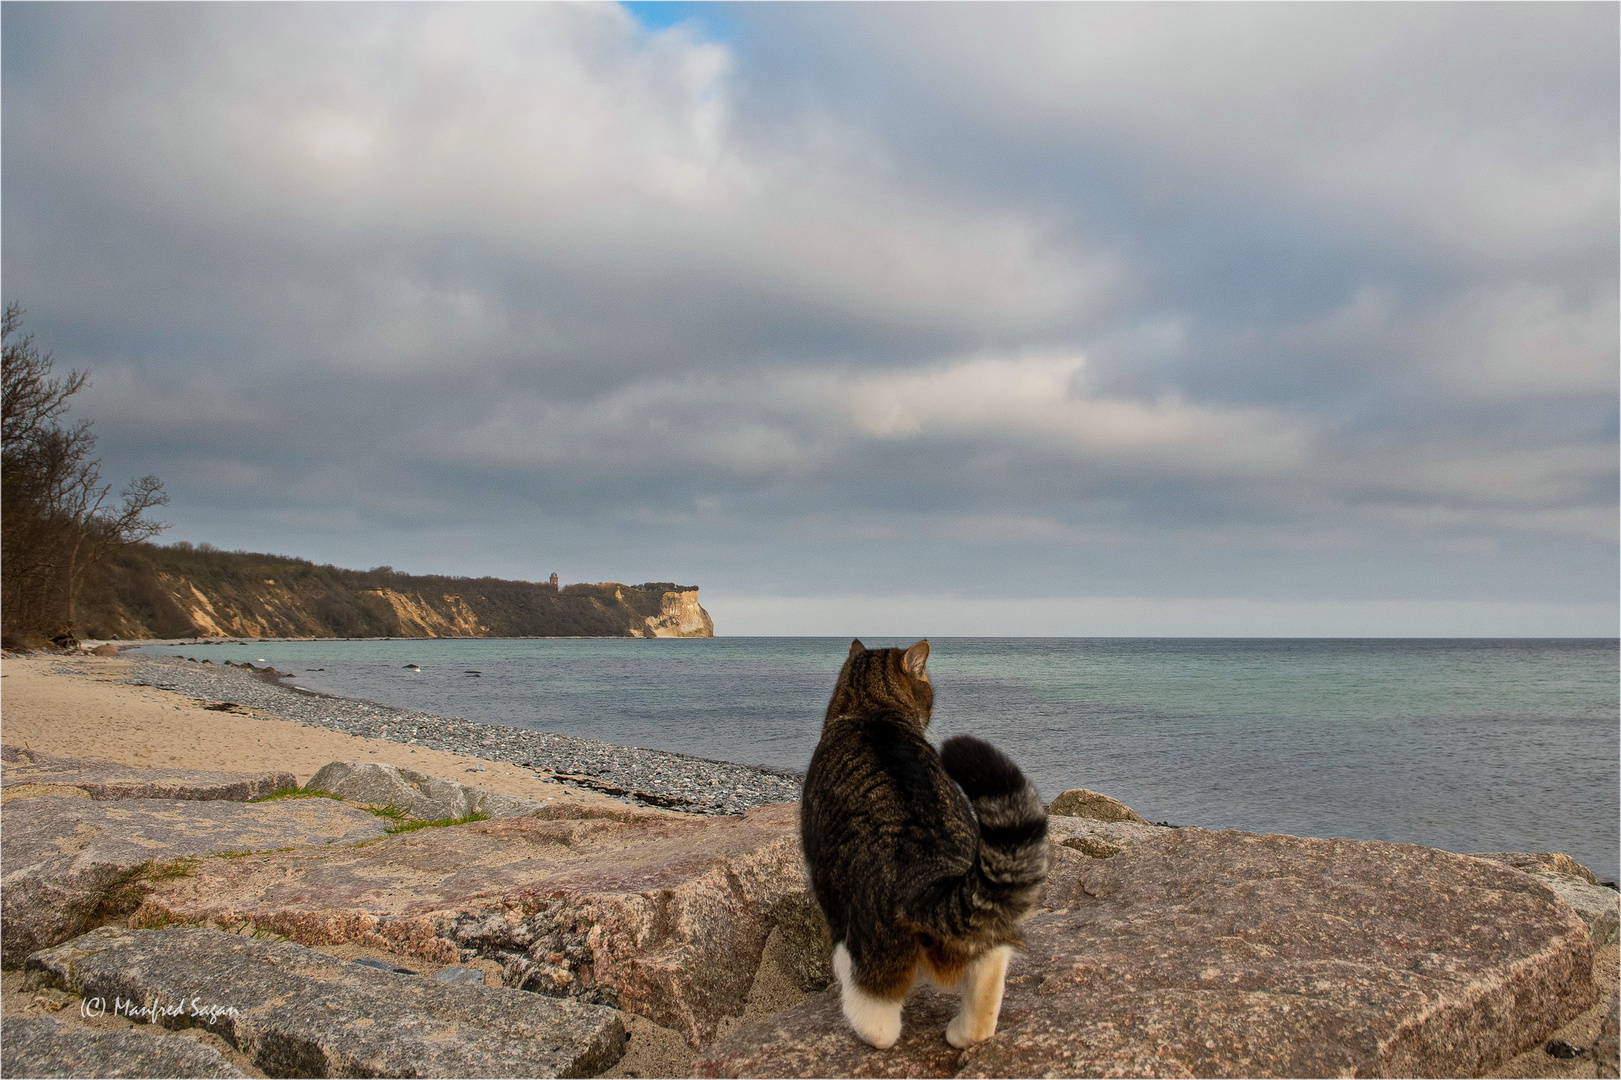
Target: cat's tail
{"type": "Point", "coordinates": [1012, 860]}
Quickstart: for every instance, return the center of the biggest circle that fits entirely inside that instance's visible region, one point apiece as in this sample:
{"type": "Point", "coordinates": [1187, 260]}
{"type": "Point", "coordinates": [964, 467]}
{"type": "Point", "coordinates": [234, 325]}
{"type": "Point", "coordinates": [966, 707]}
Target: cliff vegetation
{"type": "Point", "coordinates": [60, 519]}
{"type": "Point", "coordinates": [145, 590]}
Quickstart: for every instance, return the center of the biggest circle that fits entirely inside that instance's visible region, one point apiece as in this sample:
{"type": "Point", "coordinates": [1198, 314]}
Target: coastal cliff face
{"type": "Point", "coordinates": [155, 592]}
{"type": "Point", "coordinates": [680, 616]}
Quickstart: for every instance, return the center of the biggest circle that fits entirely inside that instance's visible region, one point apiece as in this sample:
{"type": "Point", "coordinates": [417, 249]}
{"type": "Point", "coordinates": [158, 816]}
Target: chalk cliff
{"type": "Point", "coordinates": [148, 591]}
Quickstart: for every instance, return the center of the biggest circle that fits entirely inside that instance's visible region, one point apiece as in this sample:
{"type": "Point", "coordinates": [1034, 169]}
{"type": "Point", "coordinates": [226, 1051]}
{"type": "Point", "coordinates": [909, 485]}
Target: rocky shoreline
{"type": "Point", "coordinates": [643, 777]}
{"type": "Point", "coordinates": [415, 922]}
{"type": "Point", "coordinates": [554, 941]}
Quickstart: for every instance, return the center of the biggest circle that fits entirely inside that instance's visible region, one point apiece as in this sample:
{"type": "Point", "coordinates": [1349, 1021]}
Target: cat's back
{"type": "Point", "coordinates": [876, 789]}
{"type": "Point", "coordinates": [876, 792]}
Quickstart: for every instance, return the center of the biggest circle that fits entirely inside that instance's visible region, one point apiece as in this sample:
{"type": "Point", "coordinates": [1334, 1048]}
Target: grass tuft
{"type": "Point", "coordinates": [390, 811]}
{"type": "Point", "coordinates": [297, 793]}
{"type": "Point", "coordinates": [125, 892]}
{"type": "Point", "coordinates": [413, 824]}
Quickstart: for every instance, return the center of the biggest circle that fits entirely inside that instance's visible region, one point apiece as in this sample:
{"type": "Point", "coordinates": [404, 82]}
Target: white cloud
{"type": "Point", "coordinates": [793, 422]}
{"type": "Point", "coordinates": [1048, 399]}
{"type": "Point", "coordinates": [535, 145]}
{"type": "Point", "coordinates": [1241, 283]}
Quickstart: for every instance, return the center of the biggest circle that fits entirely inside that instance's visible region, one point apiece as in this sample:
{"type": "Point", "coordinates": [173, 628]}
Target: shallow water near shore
{"type": "Point", "coordinates": [1492, 745]}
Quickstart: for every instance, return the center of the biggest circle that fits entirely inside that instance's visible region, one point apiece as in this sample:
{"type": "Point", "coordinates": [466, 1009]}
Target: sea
{"type": "Point", "coordinates": [1466, 745]}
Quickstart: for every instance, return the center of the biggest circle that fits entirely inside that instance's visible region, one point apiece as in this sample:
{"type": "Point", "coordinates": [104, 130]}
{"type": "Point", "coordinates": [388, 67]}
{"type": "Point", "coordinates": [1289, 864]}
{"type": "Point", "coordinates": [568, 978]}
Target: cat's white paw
{"type": "Point", "coordinates": [960, 1032]}
{"type": "Point", "coordinates": [877, 1020]}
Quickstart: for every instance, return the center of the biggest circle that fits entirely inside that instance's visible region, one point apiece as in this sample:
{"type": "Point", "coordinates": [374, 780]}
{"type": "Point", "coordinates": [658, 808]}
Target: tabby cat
{"type": "Point", "coordinates": [913, 878]}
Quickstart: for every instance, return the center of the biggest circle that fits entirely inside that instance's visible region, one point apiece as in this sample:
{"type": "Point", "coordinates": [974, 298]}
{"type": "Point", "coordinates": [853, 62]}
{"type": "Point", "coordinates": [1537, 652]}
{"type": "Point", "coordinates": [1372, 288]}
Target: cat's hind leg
{"type": "Point", "coordinates": [876, 1019]}
{"type": "Point", "coordinates": [981, 987]}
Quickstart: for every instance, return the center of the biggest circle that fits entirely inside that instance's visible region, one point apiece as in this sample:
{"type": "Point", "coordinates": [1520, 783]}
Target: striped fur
{"type": "Point", "coordinates": [913, 878]}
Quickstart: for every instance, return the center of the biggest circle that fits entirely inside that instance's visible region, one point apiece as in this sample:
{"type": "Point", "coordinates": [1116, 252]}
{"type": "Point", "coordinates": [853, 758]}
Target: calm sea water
{"type": "Point", "coordinates": [1465, 745]}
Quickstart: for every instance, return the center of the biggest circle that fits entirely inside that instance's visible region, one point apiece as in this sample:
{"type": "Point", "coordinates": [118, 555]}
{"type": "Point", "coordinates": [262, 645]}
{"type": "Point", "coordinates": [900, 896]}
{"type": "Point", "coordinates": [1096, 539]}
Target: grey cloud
{"type": "Point", "coordinates": [1285, 299]}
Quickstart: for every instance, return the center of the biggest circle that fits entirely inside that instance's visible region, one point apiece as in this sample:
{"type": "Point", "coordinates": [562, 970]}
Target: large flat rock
{"type": "Point", "coordinates": [430, 798]}
{"type": "Point", "coordinates": [666, 918]}
{"type": "Point", "coordinates": [1102, 839]}
{"type": "Point", "coordinates": [66, 864]}
{"type": "Point", "coordinates": [296, 1012]}
{"type": "Point", "coordinates": [41, 1046]}
{"type": "Point", "coordinates": [27, 772]}
{"type": "Point", "coordinates": [1237, 954]}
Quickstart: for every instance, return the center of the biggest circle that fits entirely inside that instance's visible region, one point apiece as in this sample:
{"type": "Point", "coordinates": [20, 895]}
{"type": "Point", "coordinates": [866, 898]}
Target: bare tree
{"type": "Point", "coordinates": [56, 520]}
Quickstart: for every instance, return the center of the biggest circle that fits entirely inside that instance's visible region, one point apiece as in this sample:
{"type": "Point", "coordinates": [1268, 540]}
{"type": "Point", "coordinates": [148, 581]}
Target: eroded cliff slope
{"type": "Point", "coordinates": [148, 591]}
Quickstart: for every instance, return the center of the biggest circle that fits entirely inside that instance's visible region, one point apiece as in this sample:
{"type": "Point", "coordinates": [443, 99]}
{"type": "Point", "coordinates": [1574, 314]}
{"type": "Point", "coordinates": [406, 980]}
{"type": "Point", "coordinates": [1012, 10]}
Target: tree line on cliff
{"type": "Point", "coordinates": [58, 521]}
{"type": "Point", "coordinates": [179, 590]}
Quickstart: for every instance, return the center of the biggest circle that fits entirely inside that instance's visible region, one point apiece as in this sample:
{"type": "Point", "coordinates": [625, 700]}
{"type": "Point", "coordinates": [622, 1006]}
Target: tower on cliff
{"type": "Point", "coordinates": [554, 581]}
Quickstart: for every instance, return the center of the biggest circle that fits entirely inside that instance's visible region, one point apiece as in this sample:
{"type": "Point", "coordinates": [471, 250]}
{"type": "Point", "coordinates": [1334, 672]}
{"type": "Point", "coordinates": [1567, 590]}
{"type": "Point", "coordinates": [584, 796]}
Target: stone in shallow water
{"type": "Point", "coordinates": [42, 1046]}
{"type": "Point", "coordinates": [65, 860]}
{"type": "Point", "coordinates": [666, 918]}
{"type": "Point", "coordinates": [27, 769]}
{"type": "Point", "coordinates": [296, 1012]}
{"type": "Point", "coordinates": [1237, 954]}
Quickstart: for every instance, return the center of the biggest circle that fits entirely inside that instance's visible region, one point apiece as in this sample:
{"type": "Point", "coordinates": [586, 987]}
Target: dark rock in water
{"type": "Point", "coordinates": [110, 780]}
{"type": "Point", "coordinates": [70, 863]}
{"type": "Point", "coordinates": [42, 1046]}
{"type": "Point", "coordinates": [296, 1012]}
{"type": "Point", "coordinates": [1236, 954]}
{"type": "Point", "coordinates": [663, 917]}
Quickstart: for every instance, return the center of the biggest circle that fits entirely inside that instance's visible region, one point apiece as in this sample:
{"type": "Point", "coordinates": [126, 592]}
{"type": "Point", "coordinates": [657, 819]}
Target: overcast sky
{"type": "Point", "coordinates": [895, 319]}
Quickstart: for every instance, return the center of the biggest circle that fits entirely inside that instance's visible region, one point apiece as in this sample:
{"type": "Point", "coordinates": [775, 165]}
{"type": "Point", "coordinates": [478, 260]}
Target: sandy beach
{"type": "Point", "coordinates": [79, 706]}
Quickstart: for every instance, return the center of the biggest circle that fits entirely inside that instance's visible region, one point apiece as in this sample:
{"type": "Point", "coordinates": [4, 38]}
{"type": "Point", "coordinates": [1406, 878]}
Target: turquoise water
{"type": "Point", "coordinates": [1466, 745]}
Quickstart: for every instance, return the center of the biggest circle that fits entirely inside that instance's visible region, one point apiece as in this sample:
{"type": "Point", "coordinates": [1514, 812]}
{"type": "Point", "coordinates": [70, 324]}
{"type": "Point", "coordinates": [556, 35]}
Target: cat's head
{"type": "Point", "coordinates": [891, 680]}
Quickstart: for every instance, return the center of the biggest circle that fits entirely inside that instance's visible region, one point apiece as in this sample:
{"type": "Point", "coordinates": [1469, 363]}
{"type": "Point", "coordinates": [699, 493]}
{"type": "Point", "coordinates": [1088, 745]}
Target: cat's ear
{"type": "Point", "coordinates": [915, 659]}
{"type": "Point", "coordinates": [856, 648]}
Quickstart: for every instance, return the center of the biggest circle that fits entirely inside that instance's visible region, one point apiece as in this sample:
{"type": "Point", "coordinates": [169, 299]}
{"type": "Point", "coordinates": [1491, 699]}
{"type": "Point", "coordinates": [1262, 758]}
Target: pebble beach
{"type": "Point", "coordinates": [645, 777]}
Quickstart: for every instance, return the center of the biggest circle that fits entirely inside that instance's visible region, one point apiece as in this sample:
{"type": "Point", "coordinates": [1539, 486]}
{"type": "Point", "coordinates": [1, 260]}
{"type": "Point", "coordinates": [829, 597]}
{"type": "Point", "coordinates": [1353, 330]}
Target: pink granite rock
{"type": "Point", "coordinates": [1236, 954]}
{"type": "Point", "coordinates": [69, 864]}
{"type": "Point", "coordinates": [1554, 862]}
{"type": "Point", "coordinates": [1085, 803]}
{"type": "Point", "coordinates": [108, 780]}
{"type": "Point", "coordinates": [663, 918]}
